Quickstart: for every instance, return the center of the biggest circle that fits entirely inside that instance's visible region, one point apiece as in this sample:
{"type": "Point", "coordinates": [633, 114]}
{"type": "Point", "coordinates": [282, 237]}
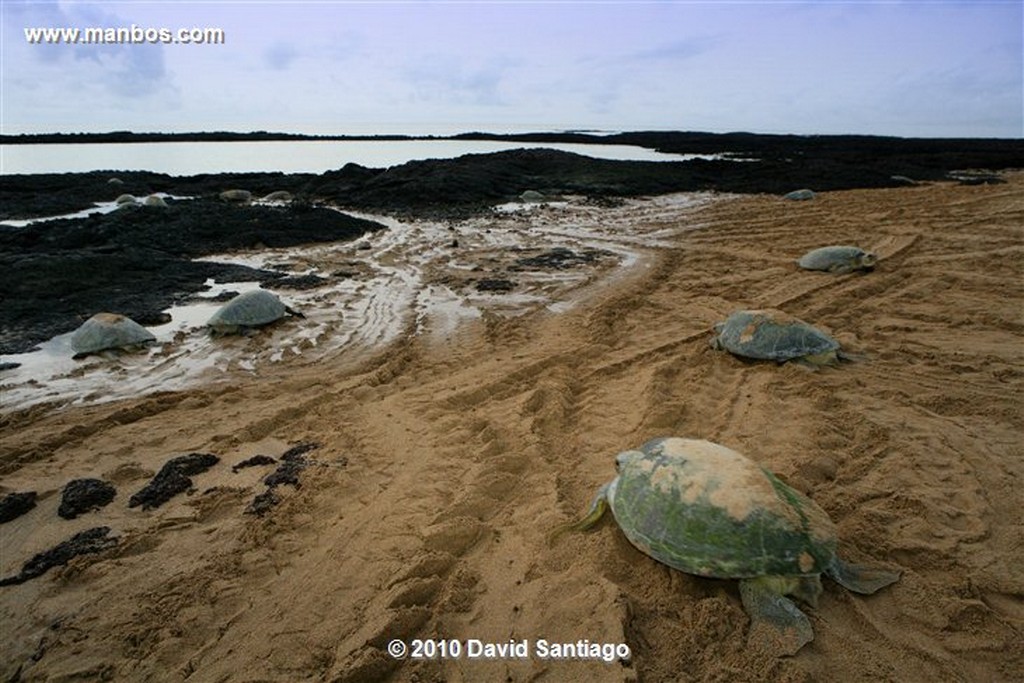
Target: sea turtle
{"type": "Point", "coordinates": [799, 195]}
{"type": "Point", "coordinates": [125, 200]}
{"type": "Point", "coordinates": [109, 331]}
{"type": "Point", "coordinates": [705, 509]}
{"type": "Point", "coordinates": [838, 259]}
{"type": "Point", "coordinates": [155, 200]}
{"type": "Point", "coordinates": [770, 334]}
{"type": "Point", "coordinates": [246, 311]}
{"type": "Point", "coordinates": [236, 196]}
{"type": "Point", "coordinates": [278, 196]}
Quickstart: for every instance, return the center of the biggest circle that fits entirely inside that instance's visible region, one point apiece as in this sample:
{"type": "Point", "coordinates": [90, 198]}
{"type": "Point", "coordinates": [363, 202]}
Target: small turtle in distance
{"type": "Point", "coordinates": [770, 334]}
{"type": "Point", "coordinates": [704, 509]}
{"type": "Point", "coordinates": [248, 311]}
{"type": "Point", "coordinates": [838, 259]}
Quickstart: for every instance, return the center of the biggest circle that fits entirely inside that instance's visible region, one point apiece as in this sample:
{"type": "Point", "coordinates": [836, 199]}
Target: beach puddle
{"type": "Point", "coordinates": [415, 278]}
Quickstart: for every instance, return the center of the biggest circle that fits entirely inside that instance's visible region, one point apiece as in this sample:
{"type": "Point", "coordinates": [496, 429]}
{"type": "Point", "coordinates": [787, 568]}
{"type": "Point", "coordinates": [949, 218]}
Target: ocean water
{"type": "Point", "coordinates": [289, 156]}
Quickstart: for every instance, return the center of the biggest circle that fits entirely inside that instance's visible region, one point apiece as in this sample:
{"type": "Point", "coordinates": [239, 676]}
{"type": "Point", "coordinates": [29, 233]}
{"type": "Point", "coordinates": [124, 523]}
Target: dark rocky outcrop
{"type": "Point", "coordinates": [136, 261]}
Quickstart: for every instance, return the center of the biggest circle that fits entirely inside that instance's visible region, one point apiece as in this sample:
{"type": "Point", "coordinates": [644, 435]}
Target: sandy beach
{"type": "Point", "coordinates": [443, 461]}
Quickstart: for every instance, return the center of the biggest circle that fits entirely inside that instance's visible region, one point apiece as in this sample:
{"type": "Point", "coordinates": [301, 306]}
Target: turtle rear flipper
{"type": "Point", "coordinates": [776, 624]}
{"type": "Point", "coordinates": [292, 311]}
{"type": "Point", "coordinates": [597, 509]}
{"type": "Point", "coordinates": [851, 357]}
{"type": "Point", "coordinates": [859, 578]}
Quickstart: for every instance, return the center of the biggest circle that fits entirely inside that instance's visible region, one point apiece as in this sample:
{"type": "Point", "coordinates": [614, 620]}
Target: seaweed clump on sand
{"type": "Point", "coordinates": [82, 495]}
{"type": "Point", "coordinates": [254, 461]}
{"type": "Point", "coordinates": [14, 505]}
{"type": "Point", "coordinates": [172, 479]}
{"type": "Point", "coordinates": [83, 543]}
{"type": "Point", "coordinates": [293, 461]}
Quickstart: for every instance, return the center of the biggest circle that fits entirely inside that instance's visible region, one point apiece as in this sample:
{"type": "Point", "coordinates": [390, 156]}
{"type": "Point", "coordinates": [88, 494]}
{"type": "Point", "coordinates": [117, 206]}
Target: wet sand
{"type": "Point", "coordinates": [445, 460]}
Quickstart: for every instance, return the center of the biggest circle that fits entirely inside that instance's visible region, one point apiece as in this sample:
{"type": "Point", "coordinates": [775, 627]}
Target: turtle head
{"type": "Point", "coordinates": [624, 458]}
{"type": "Point", "coordinates": [867, 260]}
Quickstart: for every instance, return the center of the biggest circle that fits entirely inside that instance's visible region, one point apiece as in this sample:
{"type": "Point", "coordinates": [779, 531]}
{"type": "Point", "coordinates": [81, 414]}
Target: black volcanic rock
{"type": "Point", "coordinates": [14, 505]}
{"type": "Point", "coordinates": [82, 495]}
{"type": "Point", "coordinates": [137, 261]}
{"type": "Point", "coordinates": [83, 543]}
{"type": "Point", "coordinates": [293, 461]}
{"type": "Point", "coordinates": [172, 479]}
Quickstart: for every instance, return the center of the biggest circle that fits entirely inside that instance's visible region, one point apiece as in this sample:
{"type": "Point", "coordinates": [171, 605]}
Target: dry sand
{"type": "Point", "coordinates": [444, 464]}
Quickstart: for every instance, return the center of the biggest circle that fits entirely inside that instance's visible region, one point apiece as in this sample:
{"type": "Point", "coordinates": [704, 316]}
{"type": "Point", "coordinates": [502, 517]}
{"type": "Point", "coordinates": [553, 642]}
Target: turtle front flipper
{"type": "Point", "coordinates": [859, 578]}
{"type": "Point", "coordinates": [776, 624]}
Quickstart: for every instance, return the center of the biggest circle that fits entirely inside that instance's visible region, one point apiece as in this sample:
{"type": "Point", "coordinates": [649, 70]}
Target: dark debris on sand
{"type": "Point", "coordinates": [82, 495]}
{"type": "Point", "coordinates": [560, 258]}
{"type": "Point", "coordinates": [254, 461]}
{"type": "Point", "coordinates": [293, 461]}
{"type": "Point", "coordinates": [498, 285]}
{"type": "Point", "coordinates": [172, 479]}
{"type": "Point", "coordinates": [14, 505]}
{"type": "Point", "coordinates": [83, 543]}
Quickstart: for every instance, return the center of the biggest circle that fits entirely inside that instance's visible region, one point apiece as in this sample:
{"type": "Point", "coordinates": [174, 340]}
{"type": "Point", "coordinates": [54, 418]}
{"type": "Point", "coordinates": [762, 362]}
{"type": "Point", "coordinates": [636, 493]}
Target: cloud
{"type": "Point", "coordinates": [280, 56]}
{"type": "Point", "coordinates": [450, 79]}
{"type": "Point", "coordinates": [125, 70]}
{"type": "Point", "coordinates": [674, 51]}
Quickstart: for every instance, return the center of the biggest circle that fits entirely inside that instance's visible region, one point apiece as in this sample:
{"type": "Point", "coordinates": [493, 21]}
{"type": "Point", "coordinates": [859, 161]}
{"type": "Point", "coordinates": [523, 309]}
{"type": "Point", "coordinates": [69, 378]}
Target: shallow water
{"type": "Point", "coordinates": [288, 156]}
{"type": "Point", "coordinates": [408, 279]}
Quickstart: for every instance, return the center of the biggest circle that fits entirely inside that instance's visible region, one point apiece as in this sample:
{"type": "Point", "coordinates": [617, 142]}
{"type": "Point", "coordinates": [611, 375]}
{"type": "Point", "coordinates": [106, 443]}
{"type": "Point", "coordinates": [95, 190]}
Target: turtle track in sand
{"type": "Point", "coordinates": [462, 455]}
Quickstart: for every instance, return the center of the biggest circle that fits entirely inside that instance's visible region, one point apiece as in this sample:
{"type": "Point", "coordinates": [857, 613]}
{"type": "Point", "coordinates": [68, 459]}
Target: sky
{"type": "Point", "coordinates": [914, 69]}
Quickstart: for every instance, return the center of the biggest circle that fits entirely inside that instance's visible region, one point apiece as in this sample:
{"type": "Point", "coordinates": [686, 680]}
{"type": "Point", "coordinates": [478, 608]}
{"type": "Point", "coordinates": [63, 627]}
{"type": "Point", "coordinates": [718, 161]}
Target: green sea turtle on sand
{"type": "Point", "coordinates": [106, 331]}
{"type": "Point", "coordinates": [249, 310]}
{"type": "Point", "coordinates": [799, 195]}
{"type": "Point", "coordinates": [705, 509]}
{"type": "Point", "coordinates": [770, 334]}
{"type": "Point", "coordinates": [838, 259]}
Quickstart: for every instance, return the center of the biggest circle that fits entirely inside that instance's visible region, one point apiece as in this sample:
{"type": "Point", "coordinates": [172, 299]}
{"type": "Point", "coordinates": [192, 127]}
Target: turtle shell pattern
{"type": "Point", "coordinates": [705, 509]}
{"type": "Point", "coordinates": [251, 309]}
{"type": "Point", "coordinates": [108, 331]}
{"type": "Point", "coordinates": [827, 258]}
{"type": "Point", "coordinates": [772, 335]}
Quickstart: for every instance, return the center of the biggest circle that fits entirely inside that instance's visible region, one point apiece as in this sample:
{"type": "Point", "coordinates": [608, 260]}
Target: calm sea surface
{"type": "Point", "coordinates": [298, 156]}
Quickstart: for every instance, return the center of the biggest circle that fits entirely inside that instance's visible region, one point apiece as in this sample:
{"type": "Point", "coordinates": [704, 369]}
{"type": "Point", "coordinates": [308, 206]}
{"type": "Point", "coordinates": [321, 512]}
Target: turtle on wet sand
{"type": "Point", "coordinates": [770, 334]}
{"type": "Point", "coordinates": [106, 331]}
{"type": "Point", "coordinates": [249, 310]}
{"type": "Point", "coordinates": [799, 195]}
{"type": "Point", "coordinates": [704, 509]}
{"type": "Point", "coordinates": [838, 259]}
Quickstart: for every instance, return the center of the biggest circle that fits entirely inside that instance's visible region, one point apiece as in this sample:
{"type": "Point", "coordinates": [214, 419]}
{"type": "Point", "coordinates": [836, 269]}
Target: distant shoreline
{"type": "Point", "coordinates": [668, 141]}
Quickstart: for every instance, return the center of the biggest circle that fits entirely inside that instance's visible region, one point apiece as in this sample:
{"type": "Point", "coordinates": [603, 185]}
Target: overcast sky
{"type": "Point", "coordinates": [917, 68]}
